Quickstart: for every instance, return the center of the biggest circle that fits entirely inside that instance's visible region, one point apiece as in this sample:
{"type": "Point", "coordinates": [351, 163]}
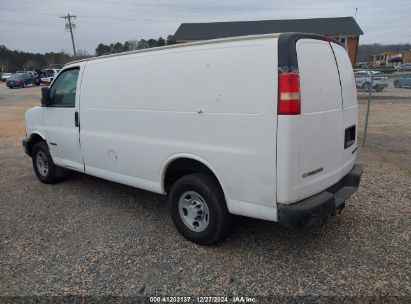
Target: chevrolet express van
{"type": "Point", "coordinates": [261, 126]}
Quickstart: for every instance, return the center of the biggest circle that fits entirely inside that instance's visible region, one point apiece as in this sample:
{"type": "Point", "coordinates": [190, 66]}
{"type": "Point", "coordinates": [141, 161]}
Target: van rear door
{"type": "Point", "coordinates": [311, 154]}
{"type": "Point", "coordinates": [350, 106]}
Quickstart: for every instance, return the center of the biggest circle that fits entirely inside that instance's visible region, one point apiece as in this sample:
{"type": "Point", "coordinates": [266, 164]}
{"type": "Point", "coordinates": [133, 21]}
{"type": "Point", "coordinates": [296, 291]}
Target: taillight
{"type": "Point", "coordinates": [289, 94]}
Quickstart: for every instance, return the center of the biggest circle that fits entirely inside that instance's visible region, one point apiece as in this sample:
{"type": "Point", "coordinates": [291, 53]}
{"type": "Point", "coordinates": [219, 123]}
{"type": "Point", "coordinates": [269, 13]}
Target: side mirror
{"type": "Point", "coordinates": [45, 96]}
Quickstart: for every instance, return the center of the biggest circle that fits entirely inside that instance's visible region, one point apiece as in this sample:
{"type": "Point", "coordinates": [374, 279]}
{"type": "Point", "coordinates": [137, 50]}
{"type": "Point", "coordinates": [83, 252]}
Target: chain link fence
{"type": "Point", "coordinates": [384, 115]}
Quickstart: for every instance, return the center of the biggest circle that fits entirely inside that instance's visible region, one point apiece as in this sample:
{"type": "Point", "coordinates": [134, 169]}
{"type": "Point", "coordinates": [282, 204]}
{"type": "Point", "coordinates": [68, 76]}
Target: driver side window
{"type": "Point", "coordinates": [63, 91]}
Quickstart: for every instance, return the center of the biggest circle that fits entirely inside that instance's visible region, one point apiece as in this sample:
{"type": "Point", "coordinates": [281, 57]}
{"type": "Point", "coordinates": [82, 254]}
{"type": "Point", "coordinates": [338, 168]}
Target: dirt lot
{"type": "Point", "coordinates": [389, 129]}
{"type": "Point", "coordinates": [88, 237]}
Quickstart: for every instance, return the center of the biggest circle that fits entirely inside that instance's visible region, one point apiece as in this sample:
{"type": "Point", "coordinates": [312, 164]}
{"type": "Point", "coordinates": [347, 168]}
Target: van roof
{"type": "Point", "coordinates": [345, 26]}
{"type": "Point", "coordinates": [180, 45]}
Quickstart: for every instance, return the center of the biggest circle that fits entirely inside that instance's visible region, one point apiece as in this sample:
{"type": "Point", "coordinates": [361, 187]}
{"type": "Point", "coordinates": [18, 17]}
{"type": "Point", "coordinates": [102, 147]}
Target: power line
{"type": "Point", "coordinates": [90, 16]}
{"type": "Point", "coordinates": [166, 6]}
{"type": "Point", "coordinates": [390, 40]}
{"type": "Point", "coordinates": [234, 8]}
{"type": "Point", "coordinates": [387, 22]}
{"type": "Point", "coordinates": [237, 8]}
{"type": "Point", "coordinates": [383, 33]}
{"type": "Point", "coordinates": [119, 18]}
{"type": "Point", "coordinates": [69, 26]}
{"type": "Point", "coordinates": [203, 7]}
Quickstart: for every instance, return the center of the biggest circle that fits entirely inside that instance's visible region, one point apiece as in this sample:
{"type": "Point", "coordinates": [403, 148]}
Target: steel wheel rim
{"type": "Point", "coordinates": [193, 211]}
{"type": "Point", "coordinates": [42, 163]}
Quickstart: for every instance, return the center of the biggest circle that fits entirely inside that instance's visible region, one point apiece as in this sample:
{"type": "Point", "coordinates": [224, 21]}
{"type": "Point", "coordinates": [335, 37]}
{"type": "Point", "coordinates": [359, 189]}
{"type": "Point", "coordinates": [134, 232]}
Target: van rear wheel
{"type": "Point", "coordinates": [198, 209]}
{"type": "Point", "coordinates": [46, 171]}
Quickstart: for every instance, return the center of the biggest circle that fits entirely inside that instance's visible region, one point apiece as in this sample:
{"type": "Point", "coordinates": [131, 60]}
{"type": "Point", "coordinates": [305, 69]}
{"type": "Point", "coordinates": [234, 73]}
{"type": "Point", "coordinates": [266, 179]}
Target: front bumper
{"type": "Point", "coordinates": [26, 146]}
{"type": "Point", "coordinates": [317, 208]}
{"type": "Point", "coordinates": [381, 85]}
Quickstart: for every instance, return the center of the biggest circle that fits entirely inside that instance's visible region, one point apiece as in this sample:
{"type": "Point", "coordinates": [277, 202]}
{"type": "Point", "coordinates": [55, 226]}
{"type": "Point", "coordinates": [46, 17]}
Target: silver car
{"type": "Point", "coordinates": [403, 82]}
{"type": "Point", "coordinates": [364, 78]}
{"type": "Point", "coordinates": [404, 67]}
{"type": "Point", "coordinates": [5, 76]}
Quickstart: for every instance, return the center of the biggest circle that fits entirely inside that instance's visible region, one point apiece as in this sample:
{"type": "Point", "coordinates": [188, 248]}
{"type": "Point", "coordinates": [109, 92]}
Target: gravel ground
{"type": "Point", "coordinates": [90, 237]}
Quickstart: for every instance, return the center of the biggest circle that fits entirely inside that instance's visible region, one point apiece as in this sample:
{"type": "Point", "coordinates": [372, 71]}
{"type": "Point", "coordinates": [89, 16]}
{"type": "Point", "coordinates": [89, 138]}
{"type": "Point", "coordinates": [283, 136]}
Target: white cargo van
{"type": "Point", "coordinates": [259, 126]}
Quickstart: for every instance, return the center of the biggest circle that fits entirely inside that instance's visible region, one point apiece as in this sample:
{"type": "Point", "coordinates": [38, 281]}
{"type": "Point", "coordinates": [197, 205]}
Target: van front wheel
{"type": "Point", "coordinates": [46, 171]}
{"type": "Point", "coordinates": [198, 209]}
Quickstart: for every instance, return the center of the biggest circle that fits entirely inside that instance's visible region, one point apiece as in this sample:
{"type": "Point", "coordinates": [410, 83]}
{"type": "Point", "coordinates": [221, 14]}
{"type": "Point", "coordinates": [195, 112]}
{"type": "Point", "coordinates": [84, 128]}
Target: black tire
{"type": "Point", "coordinates": [397, 84]}
{"type": "Point", "coordinates": [218, 220]}
{"type": "Point", "coordinates": [53, 172]}
{"type": "Point", "coordinates": [379, 89]}
{"type": "Point", "coordinates": [24, 85]}
{"type": "Point", "coordinates": [366, 87]}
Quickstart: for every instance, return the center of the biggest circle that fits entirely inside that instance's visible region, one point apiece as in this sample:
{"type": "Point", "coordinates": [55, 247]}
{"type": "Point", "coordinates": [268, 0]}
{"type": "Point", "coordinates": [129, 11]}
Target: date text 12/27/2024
{"type": "Point", "coordinates": [202, 299]}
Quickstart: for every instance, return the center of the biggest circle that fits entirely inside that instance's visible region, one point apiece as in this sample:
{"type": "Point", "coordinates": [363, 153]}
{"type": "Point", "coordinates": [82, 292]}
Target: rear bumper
{"type": "Point", "coordinates": [317, 208]}
{"type": "Point", "coordinates": [14, 85]}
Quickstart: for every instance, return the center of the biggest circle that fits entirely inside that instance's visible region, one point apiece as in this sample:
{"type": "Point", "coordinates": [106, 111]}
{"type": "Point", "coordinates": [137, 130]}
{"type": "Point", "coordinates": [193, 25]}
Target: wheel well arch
{"type": "Point", "coordinates": [178, 166]}
{"type": "Point", "coordinates": [33, 139]}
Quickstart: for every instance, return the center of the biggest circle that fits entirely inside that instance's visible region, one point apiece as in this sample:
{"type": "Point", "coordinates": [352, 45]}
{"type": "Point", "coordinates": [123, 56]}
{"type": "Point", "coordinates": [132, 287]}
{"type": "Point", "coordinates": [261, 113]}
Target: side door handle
{"type": "Point", "coordinates": [76, 122]}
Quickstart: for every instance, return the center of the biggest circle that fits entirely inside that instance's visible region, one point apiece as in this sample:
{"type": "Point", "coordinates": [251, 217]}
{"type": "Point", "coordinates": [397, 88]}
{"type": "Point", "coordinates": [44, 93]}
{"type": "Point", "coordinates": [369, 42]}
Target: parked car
{"type": "Point", "coordinates": [51, 74]}
{"type": "Point", "coordinates": [363, 79]}
{"type": "Point", "coordinates": [362, 65]}
{"type": "Point", "coordinates": [32, 73]}
{"type": "Point", "coordinates": [403, 82]}
{"type": "Point", "coordinates": [404, 67]}
{"type": "Point", "coordinates": [5, 76]}
{"type": "Point", "coordinates": [260, 126]}
{"type": "Point", "coordinates": [20, 80]}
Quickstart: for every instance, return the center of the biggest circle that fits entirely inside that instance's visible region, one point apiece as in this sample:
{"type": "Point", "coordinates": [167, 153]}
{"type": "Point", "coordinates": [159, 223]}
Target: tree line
{"type": "Point", "coordinates": [13, 60]}
{"type": "Point", "coordinates": [131, 45]}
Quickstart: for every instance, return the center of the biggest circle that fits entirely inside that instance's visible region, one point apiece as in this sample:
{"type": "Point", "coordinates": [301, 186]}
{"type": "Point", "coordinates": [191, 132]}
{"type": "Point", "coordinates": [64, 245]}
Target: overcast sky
{"type": "Point", "coordinates": [35, 26]}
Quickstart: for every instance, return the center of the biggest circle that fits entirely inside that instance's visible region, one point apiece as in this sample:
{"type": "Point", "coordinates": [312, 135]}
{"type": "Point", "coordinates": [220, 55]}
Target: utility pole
{"type": "Point", "coordinates": [70, 26]}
